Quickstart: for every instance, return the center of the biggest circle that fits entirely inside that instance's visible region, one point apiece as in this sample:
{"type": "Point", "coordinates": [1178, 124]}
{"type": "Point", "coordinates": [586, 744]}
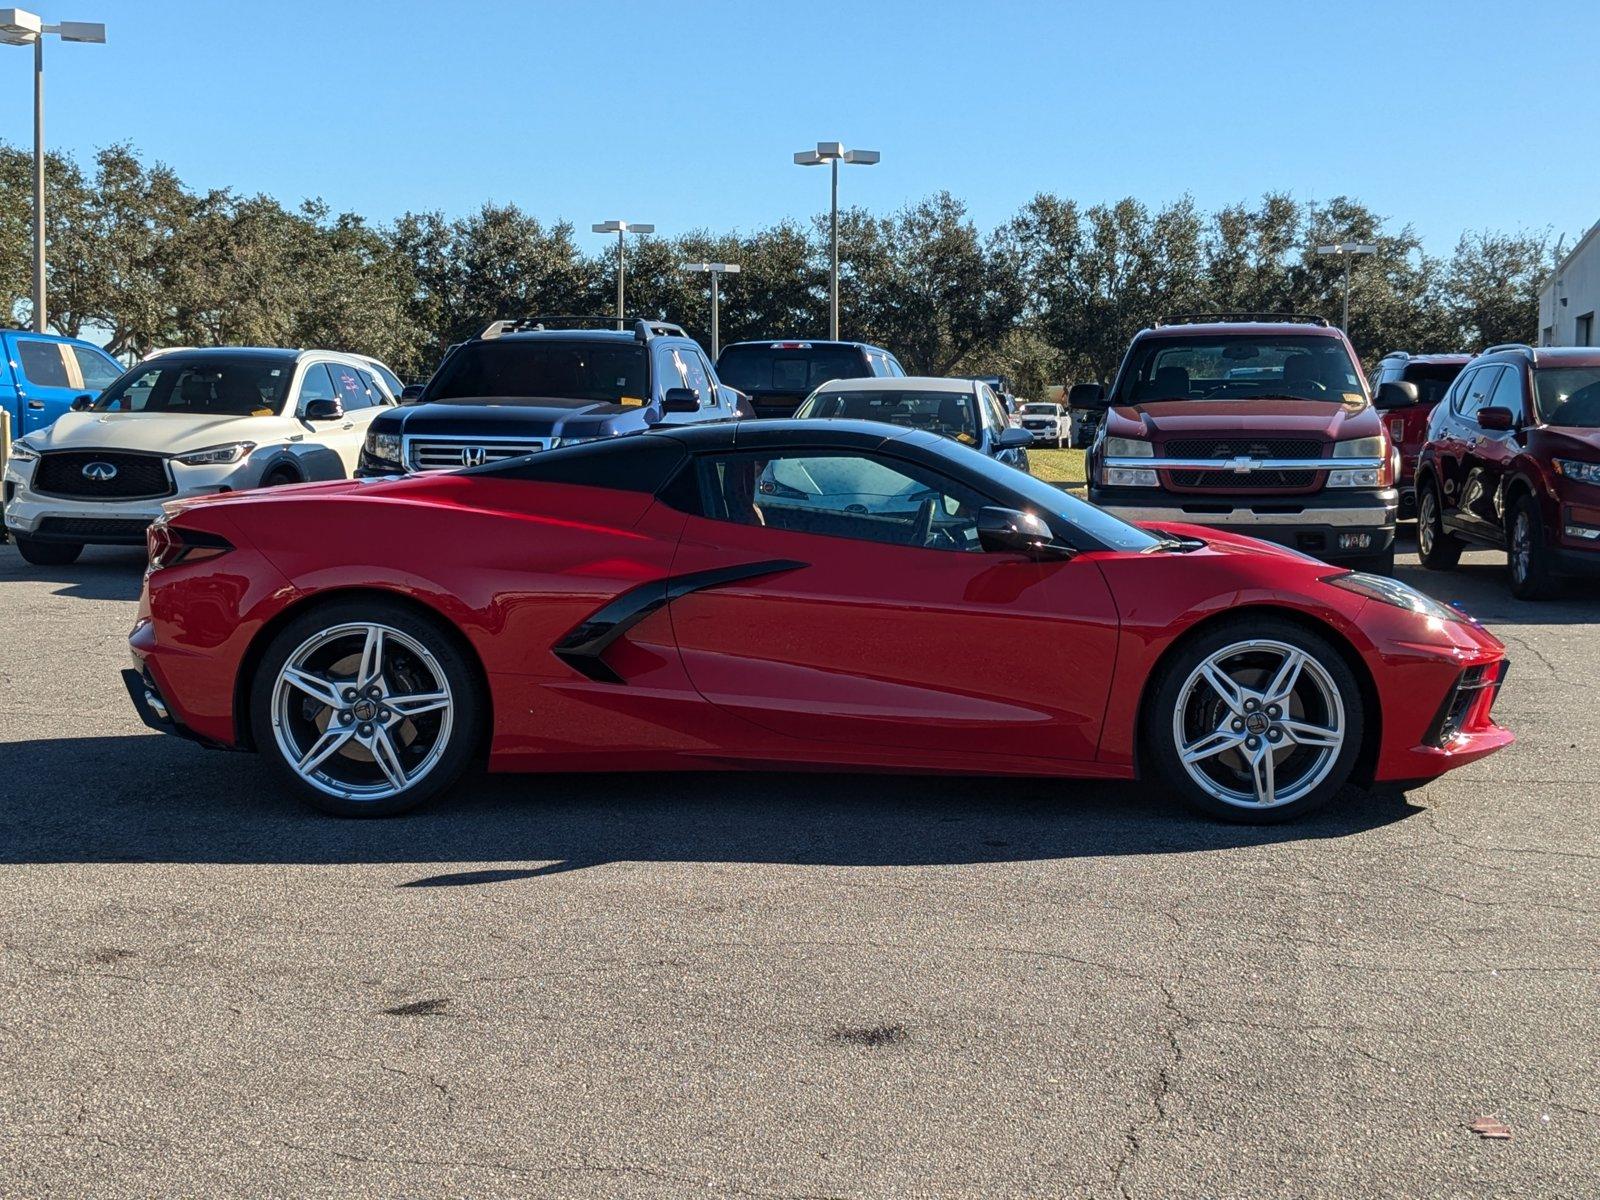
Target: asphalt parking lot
{"type": "Point", "coordinates": [785, 985]}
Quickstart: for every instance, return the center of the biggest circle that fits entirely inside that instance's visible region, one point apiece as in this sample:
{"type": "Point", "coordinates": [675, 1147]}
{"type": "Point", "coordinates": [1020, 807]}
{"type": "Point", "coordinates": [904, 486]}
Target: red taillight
{"type": "Point", "coordinates": [167, 546]}
{"type": "Point", "coordinates": [1397, 427]}
{"type": "Point", "coordinates": [791, 345]}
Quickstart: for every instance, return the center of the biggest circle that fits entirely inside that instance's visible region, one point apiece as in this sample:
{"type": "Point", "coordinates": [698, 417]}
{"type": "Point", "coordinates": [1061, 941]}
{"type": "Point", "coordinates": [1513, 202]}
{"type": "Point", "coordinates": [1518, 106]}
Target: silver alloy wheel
{"type": "Point", "coordinates": [1425, 520]}
{"type": "Point", "coordinates": [362, 711]}
{"type": "Point", "coordinates": [1521, 546]}
{"type": "Point", "coordinates": [1258, 724]}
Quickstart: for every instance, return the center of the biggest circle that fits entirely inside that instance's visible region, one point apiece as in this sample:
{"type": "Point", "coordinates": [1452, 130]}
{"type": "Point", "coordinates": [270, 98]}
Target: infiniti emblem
{"type": "Point", "coordinates": [100, 472]}
{"type": "Point", "coordinates": [473, 456]}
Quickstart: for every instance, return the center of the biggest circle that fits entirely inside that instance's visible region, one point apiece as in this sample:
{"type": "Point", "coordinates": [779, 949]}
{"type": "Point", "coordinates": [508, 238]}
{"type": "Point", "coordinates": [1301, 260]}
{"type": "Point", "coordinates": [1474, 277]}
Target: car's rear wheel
{"type": "Point", "coordinates": [1438, 549]}
{"type": "Point", "coordinates": [47, 554]}
{"type": "Point", "coordinates": [367, 707]}
{"type": "Point", "coordinates": [1257, 720]}
{"type": "Point", "coordinates": [278, 477]}
{"type": "Point", "coordinates": [1527, 558]}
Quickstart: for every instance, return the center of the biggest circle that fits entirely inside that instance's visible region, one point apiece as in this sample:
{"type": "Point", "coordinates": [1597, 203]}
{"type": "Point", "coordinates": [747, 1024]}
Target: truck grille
{"type": "Point", "coordinates": [1243, 447]}
{"type": "Point", "coordinates": [451, 454]}
{"type": "Point", "coordinates": [112, 475]}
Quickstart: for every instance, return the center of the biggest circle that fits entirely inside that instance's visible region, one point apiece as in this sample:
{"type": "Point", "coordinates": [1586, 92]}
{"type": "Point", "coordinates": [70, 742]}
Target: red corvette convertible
{"type": "Point", "coordinates": [835, 595]}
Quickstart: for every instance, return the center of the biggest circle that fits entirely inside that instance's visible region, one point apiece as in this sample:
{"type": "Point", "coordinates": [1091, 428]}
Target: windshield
{"type": "Point", "coordinates": [1040, 410]}
{"type": "Point", "coordinates": [947, 413]}
{"type": "Point", "coordinates": [213, 386]}
{"type": "Point", "coordinates": [1240, 366]}
{"type": "Point", "coordinates": [609, 372]}
{"type": "Point", "coordinates": [1569, 396]}
{"type": "Point", "coordinates": [756, 369]}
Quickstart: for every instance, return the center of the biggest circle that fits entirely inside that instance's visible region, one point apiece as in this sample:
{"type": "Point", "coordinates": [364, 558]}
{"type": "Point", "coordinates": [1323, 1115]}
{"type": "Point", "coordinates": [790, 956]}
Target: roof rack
{"type": "Point", "coordinates": [643, 329]}
{"type": "Point", "coordinates": [1398, 354]}
{"type": "Point", "coordinates": [1512, 346]}
{"type": "Point", "coordinates": [1208, 318]}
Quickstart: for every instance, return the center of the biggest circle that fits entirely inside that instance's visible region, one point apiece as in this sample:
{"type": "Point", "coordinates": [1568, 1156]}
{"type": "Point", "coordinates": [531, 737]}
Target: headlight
{"type": "Point", "coordinates": [213, 455]}
{"type": "Point", "coordinates": [1369, 447]}
{"type": "Point", "coordinates": [22, 452]}
{"type": "Point", "coordinates": [1567, 468]}
{"type": "Point", "coordinates": [1121, 447]}
{"type": "Point", "coordinates": [1391, 591]}
{"type": "Point", "coordinates": [1128, 477]}
{"type": "Point", "coordinates": [1357, 477]}
{"type": "Point", "coordinates": [385, 447]}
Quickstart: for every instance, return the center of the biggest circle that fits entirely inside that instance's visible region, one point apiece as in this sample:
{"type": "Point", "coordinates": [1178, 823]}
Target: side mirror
{"type": "Point", "coordinates": [411, 393]}
{"type": "Point", "coordinates": [1013, 438]}
{"type": "Point", "coordinates": [1496, 419]}
{"type": "Point", "coordinates": [323, 410]}
{"type": "Point", "coordinates": [82, 403]}
{"type": "Point", "coordinates": [680, 400]}
{"type": "Point", "coordinates": [1086, 395]}
{"type": "Point", "coordinates": [1395, 394]}
{"type": "Point", "coordinates": [1007, 531]}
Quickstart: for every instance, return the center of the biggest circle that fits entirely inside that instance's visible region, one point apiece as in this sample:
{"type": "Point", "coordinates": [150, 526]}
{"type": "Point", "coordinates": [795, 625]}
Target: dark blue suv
{"type": "Point", "coordinates": [778, 375]}
{"type": "Point", "coordinates": [522, 387]}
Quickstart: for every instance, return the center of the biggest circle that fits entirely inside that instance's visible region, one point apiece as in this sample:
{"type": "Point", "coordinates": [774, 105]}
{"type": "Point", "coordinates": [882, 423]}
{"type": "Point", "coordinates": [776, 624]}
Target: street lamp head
{"type": "Point", "coordinates": [712, 268]}
{"type": "Point", "coordinates": [862, 158]}
{"type": "Point", "coordinates": [81, 31]}
{"type": "Point", "coordinates": [636, 228]}
{"type": "Point", "coordinates": [808, 158]}
{"type": "Point", "coordinates": [18, 26]}
{"type": "Point", "coordinates": [830, 149]}
{"type": "Point", "coordinates": [608, 227]}
{"type": "Point", "coordinates": [1348, 248]}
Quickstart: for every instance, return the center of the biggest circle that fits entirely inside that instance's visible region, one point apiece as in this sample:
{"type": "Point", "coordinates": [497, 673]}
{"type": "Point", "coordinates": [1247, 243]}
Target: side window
{"type": "Point", "coordinates": [42, 363]}
{"type": "Point", "coordinates": [867, 498]}
{"type": "Point", "coordinates": [98, 371]}
{"type": "Point", "coordinates": [375, 389]}
{"type": "Point", "coordinates": [694, 374]}
{"type": "Point", "coordinates": [1471, 390]}
{"type": "Point", "coordinates": [316, 385]}
{"type": "Point", "coordinates": [993, 415]}
{"type": "Point", "coordinates": [350, 387]}
{"type": "Point", "coordinates": [1508, 392]}
{"type": "Point", "coordinates": [669, 371]}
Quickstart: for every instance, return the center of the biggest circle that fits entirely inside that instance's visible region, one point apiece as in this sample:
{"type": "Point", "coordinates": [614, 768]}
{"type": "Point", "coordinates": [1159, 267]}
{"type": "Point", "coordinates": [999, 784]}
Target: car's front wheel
{"type": "Point", "coordinates": [1527, 558]}
{"type": "Point", "coordinates": [1437, 548]}
{"type": "Point", "coordinates": [368, 708]}
{"type": "Point", "coordinates": [1257, 720]}
{"type": "Point", "coordinates": [47, 554]}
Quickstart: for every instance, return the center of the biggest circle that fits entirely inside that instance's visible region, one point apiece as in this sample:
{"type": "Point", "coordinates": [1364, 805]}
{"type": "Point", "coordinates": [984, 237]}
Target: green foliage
{"type": "Point", "coordinates": [1051, 297]}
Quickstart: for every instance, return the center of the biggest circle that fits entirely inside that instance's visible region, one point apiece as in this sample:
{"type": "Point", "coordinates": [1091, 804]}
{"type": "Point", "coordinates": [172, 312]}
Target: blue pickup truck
{"type": "Point", "coordinates": [43, 374]}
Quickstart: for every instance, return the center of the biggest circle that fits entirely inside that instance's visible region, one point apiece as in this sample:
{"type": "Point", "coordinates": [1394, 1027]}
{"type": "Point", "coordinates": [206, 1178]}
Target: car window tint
{"type": "Point", "coordinates": [864, 497]}
{"type": "Point", "coordinates": [316, 385]}
{"type": "Point", "coordinates": [42, 363]}
{"type": "Point", "coordinates": [669, 371]}
{"type": "Point", "coordinates": [694, 373]}
{"type": "Point", "coordinates": [210, 384]}
{"type": "Point", "coordinates": [1476, 393]}
{"type": "Point", "coordinates": [1432, 379]}
{"type": "Point", "coordinates": [97, 370]}
{"type": "Point", "coordinates": [349, 387]}
{"type": "Point", "coordinates": [1508, 392]}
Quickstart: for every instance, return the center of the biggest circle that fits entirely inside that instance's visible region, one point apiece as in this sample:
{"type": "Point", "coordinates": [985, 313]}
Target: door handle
{"type": "Point", "coordinates": [37, 405]}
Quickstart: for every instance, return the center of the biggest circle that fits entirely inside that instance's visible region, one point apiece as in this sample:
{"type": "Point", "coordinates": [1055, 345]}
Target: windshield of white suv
{"type": "Point", "coordinates": [1040, 410]}
{"type": "Point", "coordinates": [947, 413]}
{"type": "Point", "coordinates": [216, 385]}
{"type": "Point", "coordinates": [611, 372]}
{"type": "Point", "coordinates": [1569, 396]}
{"type": "Point", "coordinates": [1240, 366]}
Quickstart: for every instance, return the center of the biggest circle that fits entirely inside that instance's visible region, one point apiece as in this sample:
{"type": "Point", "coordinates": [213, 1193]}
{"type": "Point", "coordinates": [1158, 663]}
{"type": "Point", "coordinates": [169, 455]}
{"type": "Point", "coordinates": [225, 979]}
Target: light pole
{"type": "Point", "coordinates": [1347, 251]}
{"type": "Point", "coordinates": [18, 27]}
{"type": "Point", "coordinates": [716, 271]}
{"type": "Point", "coordinates": [621, 229]}
{"type": "Point", "coordinates": [834, 153]}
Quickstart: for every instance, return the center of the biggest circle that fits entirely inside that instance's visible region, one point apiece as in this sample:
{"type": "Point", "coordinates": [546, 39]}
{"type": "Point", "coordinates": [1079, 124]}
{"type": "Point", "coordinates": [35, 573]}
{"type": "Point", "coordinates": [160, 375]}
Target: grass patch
{"type": "Point", "coordinates": [1057, 466]}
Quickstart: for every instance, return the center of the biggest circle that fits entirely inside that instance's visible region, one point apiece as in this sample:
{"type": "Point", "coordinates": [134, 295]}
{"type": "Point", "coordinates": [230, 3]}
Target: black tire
{"type": "Point", "coordinates": [1162, 750]}
{"type": "Point", "coordinates": [1529, 573]}
{"type": "Point", "coordinates": [1437, 548]}
{"type": "Point", "coordinates": [47, 554]}
{"type": "Point", "coordinates": [279, 476]}
{"type": "Point", "coordinates": [468, 715]}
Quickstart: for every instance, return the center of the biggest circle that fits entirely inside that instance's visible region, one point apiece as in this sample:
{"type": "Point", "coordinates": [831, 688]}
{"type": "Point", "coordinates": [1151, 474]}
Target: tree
{"type": "Point", "coordinates": [1491, 286]}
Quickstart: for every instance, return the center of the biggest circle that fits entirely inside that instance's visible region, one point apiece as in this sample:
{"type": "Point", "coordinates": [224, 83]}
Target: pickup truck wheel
{"type": "Point", "coordinates": [366, 708]}
{"type": "Point", "coordinates": [1527, 558]}
{"type": "Point", "coordinates": [1257, 720]}
{"type": "Point", "coordinates": [47, 554]}
{"type": "Point", "coordinates": [1438, 549]}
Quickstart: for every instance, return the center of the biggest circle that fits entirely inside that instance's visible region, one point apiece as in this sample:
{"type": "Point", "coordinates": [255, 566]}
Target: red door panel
{"type": "Point", "coordinates": [899, 646]}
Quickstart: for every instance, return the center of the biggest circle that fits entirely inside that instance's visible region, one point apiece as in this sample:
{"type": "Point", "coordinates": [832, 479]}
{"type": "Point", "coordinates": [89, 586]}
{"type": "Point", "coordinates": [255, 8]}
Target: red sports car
{"type": "Point", "coordinates": [834, 595]}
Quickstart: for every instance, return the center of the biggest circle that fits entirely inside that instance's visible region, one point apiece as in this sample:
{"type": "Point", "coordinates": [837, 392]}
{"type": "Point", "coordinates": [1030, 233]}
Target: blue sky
{"type": "Point", "coordinates": [1450, 116]}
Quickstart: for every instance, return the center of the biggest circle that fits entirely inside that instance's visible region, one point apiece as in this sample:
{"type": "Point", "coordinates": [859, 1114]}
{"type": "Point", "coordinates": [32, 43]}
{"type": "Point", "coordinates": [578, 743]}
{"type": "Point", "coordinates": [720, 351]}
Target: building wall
{"type": "Point", "coordinates": [1577, 282]}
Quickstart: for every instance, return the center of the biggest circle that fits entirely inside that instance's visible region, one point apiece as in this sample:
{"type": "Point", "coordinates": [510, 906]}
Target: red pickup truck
{"type": "Point", "coordinates": [1258, 423]}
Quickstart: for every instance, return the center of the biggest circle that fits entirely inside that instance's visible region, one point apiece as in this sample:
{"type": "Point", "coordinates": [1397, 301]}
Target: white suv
{"type": "Point", "coordinates": [186, 423]}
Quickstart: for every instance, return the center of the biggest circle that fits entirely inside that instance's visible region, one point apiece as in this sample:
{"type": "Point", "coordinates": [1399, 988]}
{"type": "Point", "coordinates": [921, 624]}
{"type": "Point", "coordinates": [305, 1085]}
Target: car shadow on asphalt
{"type": "Point", "coordinates": [153, 799]}
{"type": "Point", "coordinates": [102, 573]}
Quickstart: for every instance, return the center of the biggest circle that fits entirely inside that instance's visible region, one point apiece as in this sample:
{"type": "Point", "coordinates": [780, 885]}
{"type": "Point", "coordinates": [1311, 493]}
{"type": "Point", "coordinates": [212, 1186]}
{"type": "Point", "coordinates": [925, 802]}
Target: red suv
{"type": "Point", "coordinates": [1258, 424]}
{"type": "Point", "coordinates": [1513, 461]}
{"type": "Point", "coordinates": [1408, 427]}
